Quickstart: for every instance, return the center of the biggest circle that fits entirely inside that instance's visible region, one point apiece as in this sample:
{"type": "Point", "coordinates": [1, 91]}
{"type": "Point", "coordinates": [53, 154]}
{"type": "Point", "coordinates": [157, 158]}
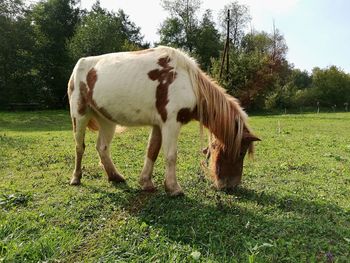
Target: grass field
{"type": "Point", "coordinates": [293, 204]}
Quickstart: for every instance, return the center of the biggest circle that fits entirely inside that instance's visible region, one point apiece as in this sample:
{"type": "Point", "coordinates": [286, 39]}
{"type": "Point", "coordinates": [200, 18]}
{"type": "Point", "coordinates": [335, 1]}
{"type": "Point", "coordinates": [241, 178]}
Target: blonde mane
{"type": "Point", "coordinates": [217, 110]}
{"type": "Point", "coordinates": [221, 114]}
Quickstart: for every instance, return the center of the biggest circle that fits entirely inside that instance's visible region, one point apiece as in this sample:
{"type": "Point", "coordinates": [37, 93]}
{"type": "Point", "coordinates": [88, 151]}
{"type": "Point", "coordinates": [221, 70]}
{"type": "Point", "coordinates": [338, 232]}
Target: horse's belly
{"type": "Point", "coordinates": [126, 104]}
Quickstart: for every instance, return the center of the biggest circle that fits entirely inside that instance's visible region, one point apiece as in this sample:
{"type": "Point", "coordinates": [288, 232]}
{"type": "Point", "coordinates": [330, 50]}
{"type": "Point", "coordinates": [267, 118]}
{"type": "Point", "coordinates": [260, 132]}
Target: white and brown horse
{"type": "Point", "coordinates": [163, 88]}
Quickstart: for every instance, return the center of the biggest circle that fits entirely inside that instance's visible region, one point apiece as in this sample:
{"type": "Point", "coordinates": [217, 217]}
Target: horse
{"type": "Point", "coordinates": [163, 88]}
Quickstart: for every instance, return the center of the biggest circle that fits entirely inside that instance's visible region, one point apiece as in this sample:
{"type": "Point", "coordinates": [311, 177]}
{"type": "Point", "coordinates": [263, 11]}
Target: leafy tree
{"type": "Point", "coordinates": [207, 41]}
{"type": "Point", "coordinates": [332, 85]}
{"type": "Point", "coordinates": [172, 33]}
{"type": "Point", "coordinates": [183, 23]}
{"type": "Point", "coordinates": [255, 69]}
{"type": "Point", "coordinates": [182, 30]}
{"type": "Point", "coordinates": [239, 19]}
{"type": "Point", "coordinates": [300, 79]}
{"type": "Point", "coordinates": [103, 32]}
{"type": "Point", "coordinates": [11, 8]}
{"type": "Point", "coordinates": [54, 24]}
{"type": "Point", "coordinates": [17, 77]}
{"type": "Point", "coordinates": [130, 31]}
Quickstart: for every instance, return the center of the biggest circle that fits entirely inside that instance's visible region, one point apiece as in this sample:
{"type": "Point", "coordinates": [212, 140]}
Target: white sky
{"type": "Point", "coordinates": [317, 32]}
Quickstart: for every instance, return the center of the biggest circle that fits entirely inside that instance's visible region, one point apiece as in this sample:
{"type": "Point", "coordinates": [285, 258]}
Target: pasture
{"type": "Point", "coordinates": [293, 204]}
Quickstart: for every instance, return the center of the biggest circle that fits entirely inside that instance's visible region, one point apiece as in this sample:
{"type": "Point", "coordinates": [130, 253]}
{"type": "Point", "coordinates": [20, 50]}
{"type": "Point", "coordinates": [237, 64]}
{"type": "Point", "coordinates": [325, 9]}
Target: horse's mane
{"type": "Point", "coordinates": [222, 114]}
{"type": "Point", "coordinates": [217, 110]}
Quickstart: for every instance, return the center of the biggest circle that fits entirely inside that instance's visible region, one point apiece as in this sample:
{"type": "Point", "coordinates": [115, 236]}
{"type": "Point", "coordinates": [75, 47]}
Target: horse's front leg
{"type": "Point", "coordinates": [154, 144]}
{"type": "Point", "coordinates": [170, 134]}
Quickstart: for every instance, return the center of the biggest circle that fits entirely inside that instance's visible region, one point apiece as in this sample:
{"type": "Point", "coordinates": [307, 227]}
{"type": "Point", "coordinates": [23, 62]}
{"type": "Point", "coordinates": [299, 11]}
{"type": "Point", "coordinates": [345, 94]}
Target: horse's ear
{"type": "Point", "coordinates": [248, 137]}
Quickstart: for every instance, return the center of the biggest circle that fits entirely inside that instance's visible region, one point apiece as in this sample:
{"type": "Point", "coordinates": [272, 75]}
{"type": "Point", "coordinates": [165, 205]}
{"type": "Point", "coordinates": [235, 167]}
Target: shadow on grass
{"type": "Point", "coordinates": [35, 121]}
{"type": "Point", "coordinates": [291, 227]}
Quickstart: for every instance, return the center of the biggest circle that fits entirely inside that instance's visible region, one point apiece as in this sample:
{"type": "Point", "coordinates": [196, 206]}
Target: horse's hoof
{"type": "Point", "coordinates": [116, 178]}
{"type": "Point", "coordinates": [147, 186]}
{"type": "Point", "coordinates": [75, 181]}
{"type": "Point", "coordinates": [174, 191]}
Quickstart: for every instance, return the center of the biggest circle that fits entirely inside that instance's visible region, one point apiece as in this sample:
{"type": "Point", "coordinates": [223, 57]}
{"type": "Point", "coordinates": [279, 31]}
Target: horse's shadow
{"type": "Point", "coordinates": [225, 228]}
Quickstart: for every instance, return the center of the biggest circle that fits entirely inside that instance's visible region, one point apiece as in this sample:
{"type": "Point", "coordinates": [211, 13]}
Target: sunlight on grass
{"type": "Point", "coordinates": [293, 204]}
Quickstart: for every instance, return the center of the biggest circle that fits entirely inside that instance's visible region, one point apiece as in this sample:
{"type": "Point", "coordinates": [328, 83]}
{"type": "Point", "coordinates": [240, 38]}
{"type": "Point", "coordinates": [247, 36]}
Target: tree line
{"type": "Point", "coordinates": [40, 43]}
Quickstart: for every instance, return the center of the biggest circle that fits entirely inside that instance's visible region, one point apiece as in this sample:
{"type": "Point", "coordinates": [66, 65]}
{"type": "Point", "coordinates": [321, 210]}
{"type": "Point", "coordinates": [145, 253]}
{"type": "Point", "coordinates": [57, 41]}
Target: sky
{"type": "Point", "coordinates": [317, 32]}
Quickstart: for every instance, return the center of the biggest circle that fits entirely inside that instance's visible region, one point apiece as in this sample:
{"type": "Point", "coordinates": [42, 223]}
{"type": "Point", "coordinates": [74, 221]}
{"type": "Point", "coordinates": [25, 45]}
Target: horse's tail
{"type": "Point", "coordinates": [93, 125]}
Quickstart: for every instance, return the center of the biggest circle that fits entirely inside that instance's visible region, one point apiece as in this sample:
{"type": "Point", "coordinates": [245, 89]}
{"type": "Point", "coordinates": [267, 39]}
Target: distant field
{"type": "Point", "coordinates": [293, 204]}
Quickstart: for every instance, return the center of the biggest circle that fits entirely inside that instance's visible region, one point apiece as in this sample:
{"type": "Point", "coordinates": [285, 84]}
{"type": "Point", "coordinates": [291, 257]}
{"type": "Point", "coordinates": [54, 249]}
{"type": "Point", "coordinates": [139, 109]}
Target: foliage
{"type": "Point", "coordinates": [328, 87]}
{"type": "Point", "coordinates": [183, 30]}
{"type": "Point", "coordinates": [172, 33]}
{"type": "Point", "coordinates": [16, 54]}
{"type": "Point", "coordinates": [54, 24]}
{"type": "Point", "coordinates": [239, 19]}
{"type": "Point", "coordinates": [11, 8]}
{"type": "Point", "coordinates": [207, 41]}
{"type": "Point", "coordinates": [255, 69]}
{"type": "Point", "coordinates": [289, 208]}
{"type": "Point", "coordinates": [103, 32]}
{"type": "Point", "coordinates": [332, 84]}
{"type": "Point", "coordinates": [40, 43]}
{"type": "Point", "coordinates": [183, 19]}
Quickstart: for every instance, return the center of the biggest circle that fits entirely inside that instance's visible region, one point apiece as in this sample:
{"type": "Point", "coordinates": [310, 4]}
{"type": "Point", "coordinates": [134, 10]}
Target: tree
{"type": "Point", "coordinates": [172, 33]}
{"type": "Point", "coordinates": [17, 78]}
{"type": "Point", "coordinates": [254, 69]}
{"type": "Point", "coordinates": [207, 41]}
{"type": "Point", "coordinates": [239, 19]}
{"type": "Point", "coordinates": [332, 86]}
{"type": "Point", "coordinates": [183, 22]}
{"type": "Point", "coordinates": [183, 30]}
{"type": "Point", "coordinates": [300, 79]}
{"type": "Point", "coordinates": [11, 8]}
{"type": "Point", "coordinates": [54, 23]}
{"type": "Point", "coordinates": [102, 32]}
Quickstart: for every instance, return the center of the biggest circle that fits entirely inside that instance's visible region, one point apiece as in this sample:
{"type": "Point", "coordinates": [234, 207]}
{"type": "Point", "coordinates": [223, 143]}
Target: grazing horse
{"type": "Point", "coordinates": [160, 87]}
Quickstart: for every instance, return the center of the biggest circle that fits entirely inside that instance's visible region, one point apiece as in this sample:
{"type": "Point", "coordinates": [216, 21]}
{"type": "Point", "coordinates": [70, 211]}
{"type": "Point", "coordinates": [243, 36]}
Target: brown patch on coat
{"type": "Point", "coordinates": [83, 98]}
{"type": "Point", "coordinates": [91, 79]}
{"type": "Point", "coordinates": [186, 114]}
{"type": "Point", "coordinates": [86, 91]}
{"type": "Point", "coordinates": [165, 77]}
{"type": "Point", "coordinates": [154, 144]}
{"type": "Point", "coordinates": [86, 94]}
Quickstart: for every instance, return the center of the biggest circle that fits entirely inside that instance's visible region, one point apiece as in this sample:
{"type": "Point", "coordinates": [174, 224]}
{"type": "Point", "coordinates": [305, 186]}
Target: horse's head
{"type": "Point", "coordinates": [225, 169]}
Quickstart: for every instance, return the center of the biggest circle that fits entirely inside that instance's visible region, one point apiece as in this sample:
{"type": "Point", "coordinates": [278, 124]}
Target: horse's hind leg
{"type": "Point", "coordinates": [79, 127]}
{"type": "Point", "coordinates": [154, 144]}
{"type": "Point", "coordinates": [105, 136]}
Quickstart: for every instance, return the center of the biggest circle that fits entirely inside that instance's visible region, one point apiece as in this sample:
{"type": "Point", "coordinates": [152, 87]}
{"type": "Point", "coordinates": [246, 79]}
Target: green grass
{"type": "Point", "coordinates": [293, 204]}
